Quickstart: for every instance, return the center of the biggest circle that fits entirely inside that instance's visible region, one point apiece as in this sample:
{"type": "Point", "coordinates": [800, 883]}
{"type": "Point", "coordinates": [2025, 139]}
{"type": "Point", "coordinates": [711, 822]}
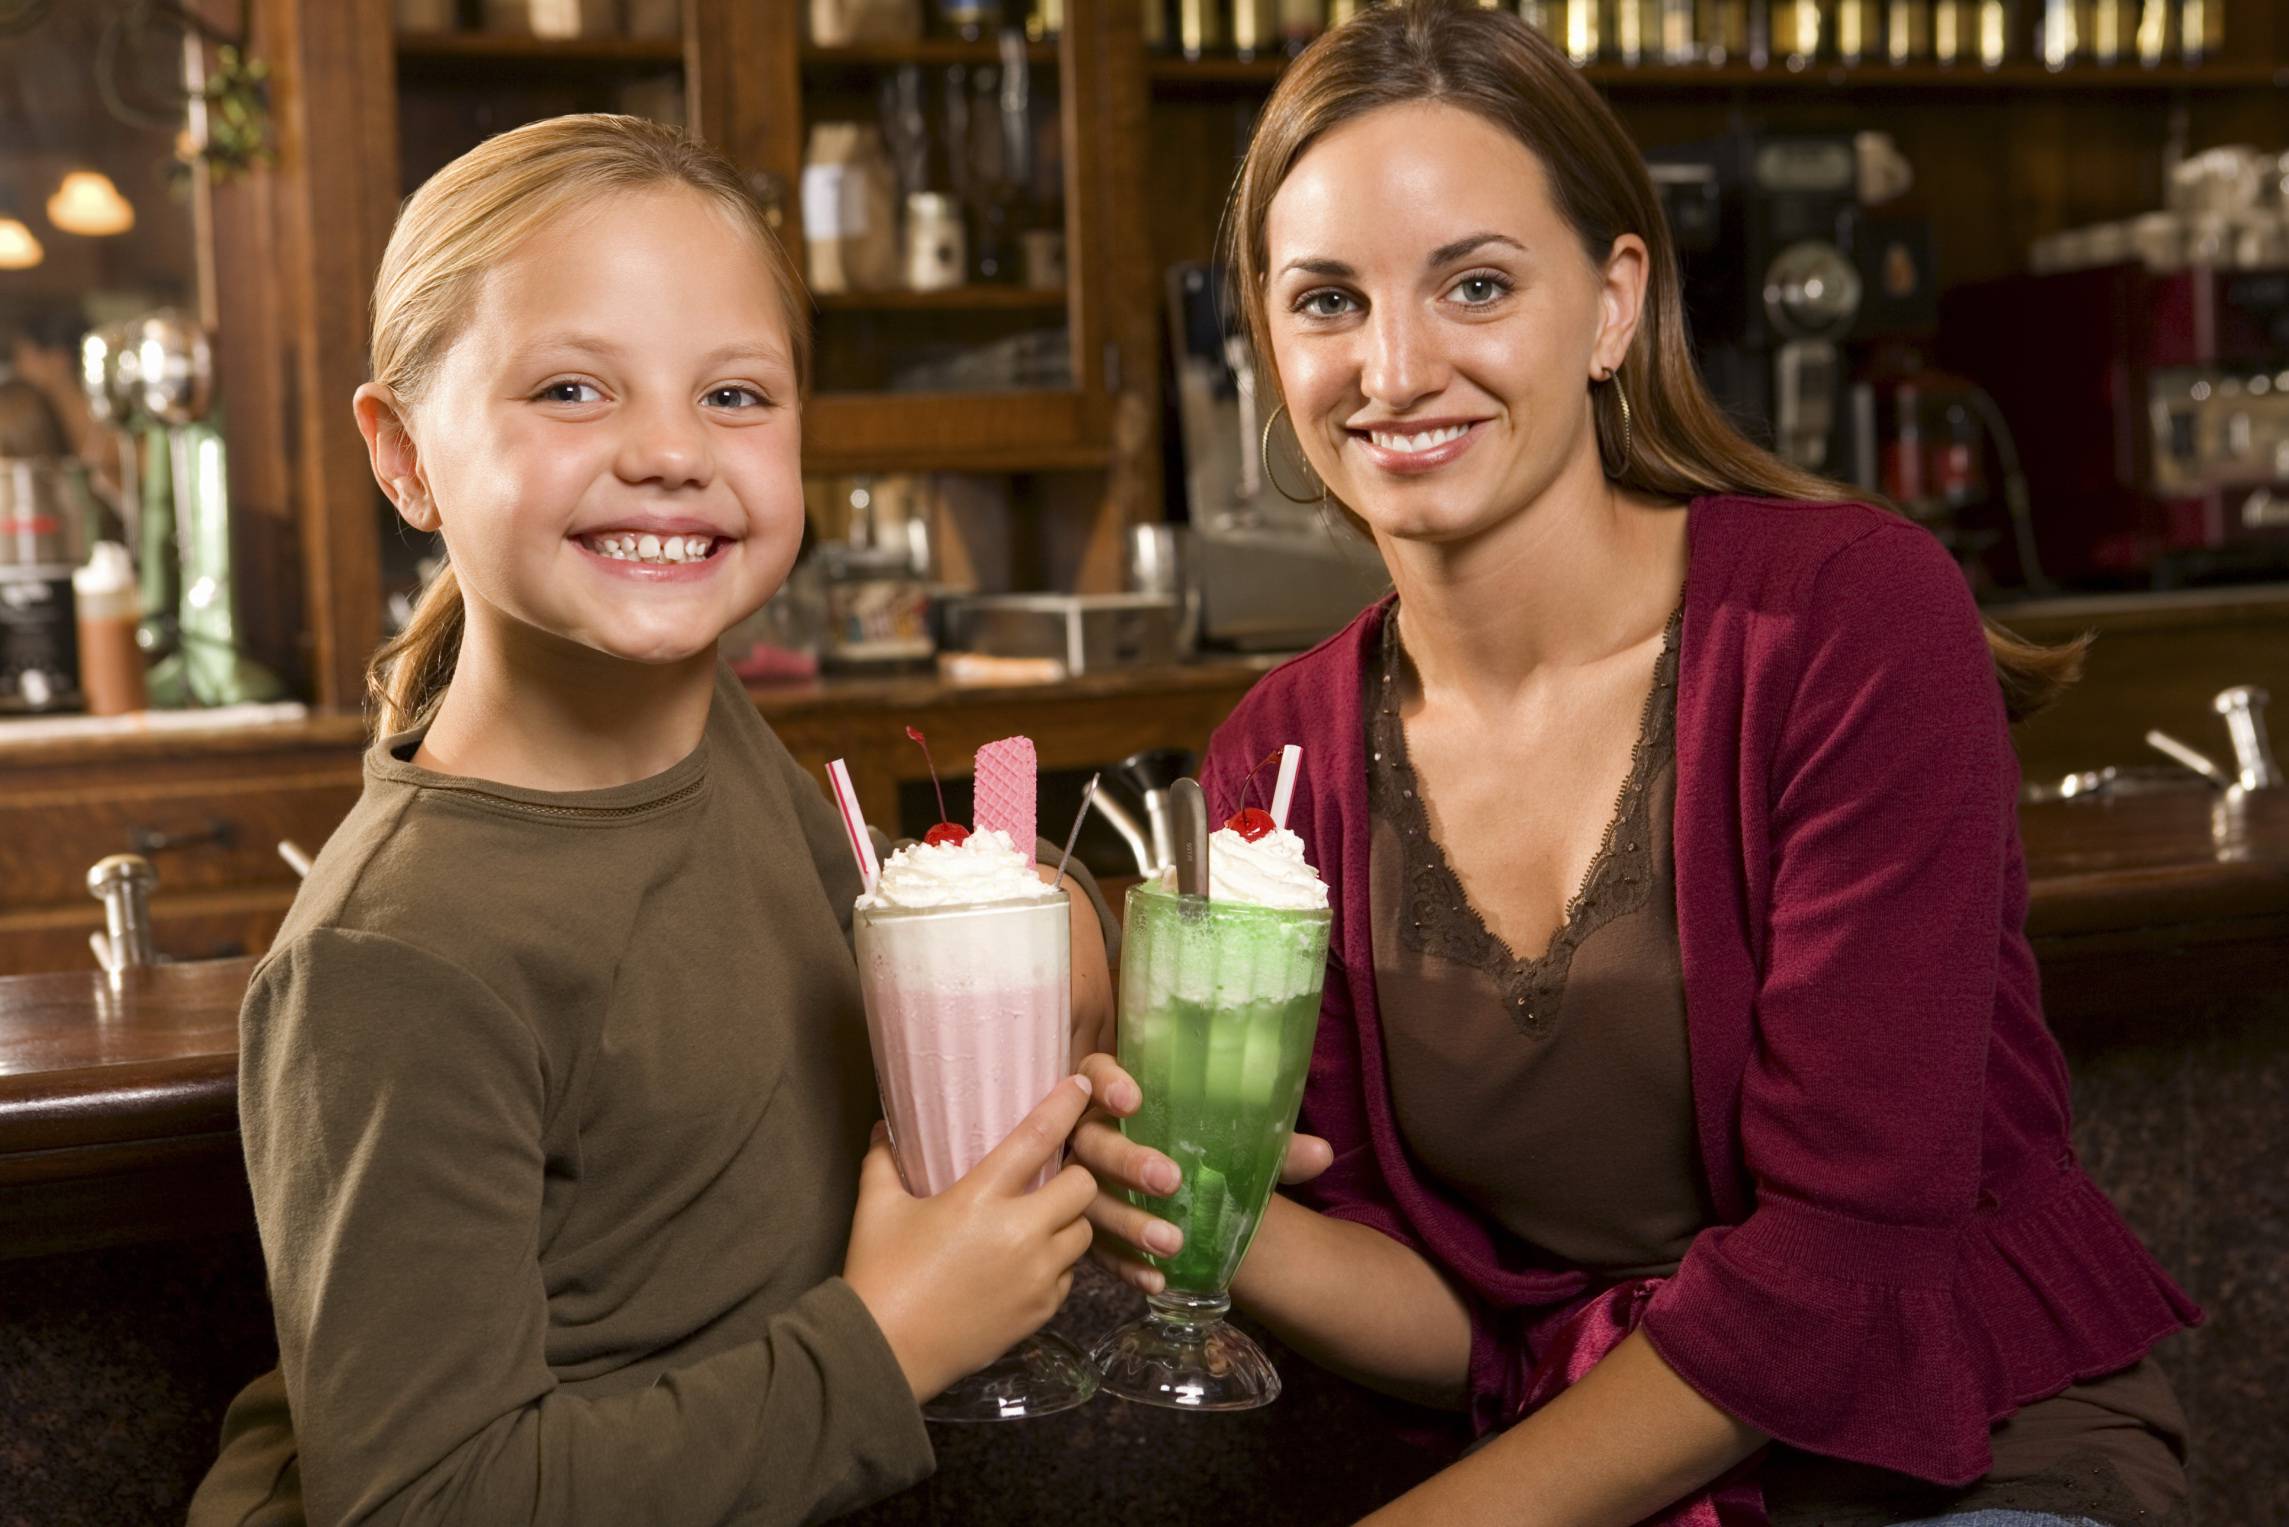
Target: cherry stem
{"type": "Point", "coordinates": [923, 743]}
{"type": "Point", "coordinates": [1249, 783]}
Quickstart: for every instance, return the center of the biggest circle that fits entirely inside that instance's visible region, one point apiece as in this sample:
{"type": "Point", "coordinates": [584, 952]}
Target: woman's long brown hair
{"type": "Point", "coordinates": [1494, 65]}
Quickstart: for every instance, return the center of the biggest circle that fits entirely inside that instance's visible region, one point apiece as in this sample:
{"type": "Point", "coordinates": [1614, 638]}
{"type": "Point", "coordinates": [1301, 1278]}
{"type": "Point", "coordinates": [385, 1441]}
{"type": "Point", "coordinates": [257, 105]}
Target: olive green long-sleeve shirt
{"type": "Point", "coordinates": [553, 1107]}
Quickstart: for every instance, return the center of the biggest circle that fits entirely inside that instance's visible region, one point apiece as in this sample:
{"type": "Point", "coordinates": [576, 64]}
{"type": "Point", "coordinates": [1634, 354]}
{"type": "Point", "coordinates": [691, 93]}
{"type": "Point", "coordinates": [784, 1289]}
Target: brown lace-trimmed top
{"type": "Point", "coordinates": [1554, 1094]}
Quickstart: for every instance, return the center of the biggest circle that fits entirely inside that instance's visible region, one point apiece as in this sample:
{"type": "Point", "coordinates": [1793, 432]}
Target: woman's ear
{"type": "Point", "coordinates": [385, 421]}
{"type": "Point", "coordinates": [1621, 302]}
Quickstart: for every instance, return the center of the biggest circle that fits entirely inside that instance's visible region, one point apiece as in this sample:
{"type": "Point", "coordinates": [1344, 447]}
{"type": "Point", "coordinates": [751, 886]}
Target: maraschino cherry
{"type": "Point", "coordinates": [1252, 822]}
{"type": "Point", "coordinates": [945, 832]}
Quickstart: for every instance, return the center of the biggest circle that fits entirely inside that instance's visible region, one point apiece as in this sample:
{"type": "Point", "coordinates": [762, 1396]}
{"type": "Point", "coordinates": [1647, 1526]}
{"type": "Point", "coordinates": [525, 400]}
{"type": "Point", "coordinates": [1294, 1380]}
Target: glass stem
{"type": "Point", "coordinates": [1176, 1308]}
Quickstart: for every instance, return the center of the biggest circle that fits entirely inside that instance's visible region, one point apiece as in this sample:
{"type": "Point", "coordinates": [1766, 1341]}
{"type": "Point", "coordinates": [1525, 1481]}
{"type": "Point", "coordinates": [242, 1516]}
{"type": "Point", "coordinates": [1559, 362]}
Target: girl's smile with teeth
{"type": "Point", "coordinates": [637, 546]}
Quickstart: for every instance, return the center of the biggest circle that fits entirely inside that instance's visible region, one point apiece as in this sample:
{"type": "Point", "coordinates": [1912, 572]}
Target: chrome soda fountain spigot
{"type": "Point", "coordinates": [2243, 707]}
{"type": "Point", "coordinates": [123, 884]}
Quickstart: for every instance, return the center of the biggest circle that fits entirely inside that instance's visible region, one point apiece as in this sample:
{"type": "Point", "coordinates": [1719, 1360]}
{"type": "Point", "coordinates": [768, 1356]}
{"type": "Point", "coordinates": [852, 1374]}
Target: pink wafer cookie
{"type": "Point", "coordinates": [1002, 792]}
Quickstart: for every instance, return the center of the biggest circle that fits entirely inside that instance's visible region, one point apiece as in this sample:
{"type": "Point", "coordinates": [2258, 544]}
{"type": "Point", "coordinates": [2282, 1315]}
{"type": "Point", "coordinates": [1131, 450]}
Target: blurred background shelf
{"type": "Point", "coordinates": [419, 48]}
{"type": "Point", "coordinates": [1175, 75]}
{"type": "Point", "coordinates": [939, 51]}
{"type": "Point", "coordinates": [960, 299]}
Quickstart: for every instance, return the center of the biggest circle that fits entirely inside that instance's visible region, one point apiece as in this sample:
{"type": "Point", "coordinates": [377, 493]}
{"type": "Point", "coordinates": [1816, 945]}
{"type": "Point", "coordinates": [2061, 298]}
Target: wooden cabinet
{"type": "Point", "coordinates": [207, 812]}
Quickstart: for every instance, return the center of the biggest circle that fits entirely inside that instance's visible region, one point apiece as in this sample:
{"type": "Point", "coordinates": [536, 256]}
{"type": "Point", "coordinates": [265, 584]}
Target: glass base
{"type": "Point", "coordinates": [1040, 1376]}
{"type": "Point", "coordinates": [1184, 1356]}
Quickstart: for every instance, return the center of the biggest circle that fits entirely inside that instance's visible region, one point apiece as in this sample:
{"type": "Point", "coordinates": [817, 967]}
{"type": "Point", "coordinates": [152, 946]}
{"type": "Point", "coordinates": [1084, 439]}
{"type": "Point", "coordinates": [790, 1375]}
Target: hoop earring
{"type": "Point", "coordinates": [1264, 450]}
{"type": "Point", "coordinates": [1628, 429]}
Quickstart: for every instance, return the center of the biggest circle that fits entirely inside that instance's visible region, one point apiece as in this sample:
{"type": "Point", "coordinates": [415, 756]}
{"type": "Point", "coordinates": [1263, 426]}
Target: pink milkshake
{"type": "Point", "coordinates": [969, 1009]}
{"type": "Point", "coordinates": [964, 963]}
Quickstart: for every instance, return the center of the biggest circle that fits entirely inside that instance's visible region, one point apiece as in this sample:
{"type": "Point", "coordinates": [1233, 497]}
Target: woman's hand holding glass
{"type": "Point", "coordinates": [1122, 1230]}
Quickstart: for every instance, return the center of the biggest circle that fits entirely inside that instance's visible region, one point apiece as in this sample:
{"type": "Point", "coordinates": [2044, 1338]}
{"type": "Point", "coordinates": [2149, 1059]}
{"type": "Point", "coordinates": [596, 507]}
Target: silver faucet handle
{"type": "Point", "coordinates": [2243, 707]}
{"type": "Point", "coordinates": [123, 884]}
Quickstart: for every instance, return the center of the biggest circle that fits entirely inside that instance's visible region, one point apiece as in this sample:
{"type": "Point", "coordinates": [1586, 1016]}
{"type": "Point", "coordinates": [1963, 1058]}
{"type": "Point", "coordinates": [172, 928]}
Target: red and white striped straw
{"type": "Point", "coordinates": [854, 823]}
{"type": "Point", "coordinates": [1283, 793]}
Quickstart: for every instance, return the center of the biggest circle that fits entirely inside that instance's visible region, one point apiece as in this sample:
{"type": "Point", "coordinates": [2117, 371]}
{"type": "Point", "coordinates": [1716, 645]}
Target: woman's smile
{"type": "Point", "coordinates": [1412, 447]}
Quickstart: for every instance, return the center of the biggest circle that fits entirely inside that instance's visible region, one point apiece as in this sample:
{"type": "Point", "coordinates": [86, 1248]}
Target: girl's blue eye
{"type": "Point", "coordinates": [1480, 291]}
{"type": "Point", "coordinates": [735, 398]}
{"type": "Point", "coordinates": [1324, 303]}
{"type": "Point", "coordinates": [569, 392]}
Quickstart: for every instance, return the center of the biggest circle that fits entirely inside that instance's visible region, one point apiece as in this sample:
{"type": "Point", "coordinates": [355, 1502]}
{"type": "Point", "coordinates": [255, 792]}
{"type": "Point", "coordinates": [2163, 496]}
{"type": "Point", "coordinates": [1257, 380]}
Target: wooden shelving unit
{"type": "Point", "coordinates": [1177, 75]}
{"type": "Point", "coordinates": [928, 50]}
{"type": "Point", "coordinates": [418, 48]}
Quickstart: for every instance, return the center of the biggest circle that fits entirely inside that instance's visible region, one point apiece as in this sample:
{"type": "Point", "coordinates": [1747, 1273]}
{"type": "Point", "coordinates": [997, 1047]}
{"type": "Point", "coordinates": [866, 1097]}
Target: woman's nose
{"type": "Point", "coordinates": [1402, 364]}
{"type": "Point", "coordinates": [665, 443]}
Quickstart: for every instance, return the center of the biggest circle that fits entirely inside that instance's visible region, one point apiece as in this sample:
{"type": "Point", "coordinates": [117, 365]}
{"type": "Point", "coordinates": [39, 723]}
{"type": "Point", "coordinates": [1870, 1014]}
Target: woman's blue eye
{"type": "Point", "coordinates": [1323, 304]}
{"type": "Point", "coordinates": [568, 392]}
{"type": "Point", "coordinates": [735, 398]}
{"type": "Point", "coordinates": [1478, 291]}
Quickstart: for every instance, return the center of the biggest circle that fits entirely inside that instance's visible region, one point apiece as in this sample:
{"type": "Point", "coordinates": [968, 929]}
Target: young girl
{"type": "Point", "coordinates": [1695, 1127]}
{"type": "Point", "coordinates": [555, 1085]}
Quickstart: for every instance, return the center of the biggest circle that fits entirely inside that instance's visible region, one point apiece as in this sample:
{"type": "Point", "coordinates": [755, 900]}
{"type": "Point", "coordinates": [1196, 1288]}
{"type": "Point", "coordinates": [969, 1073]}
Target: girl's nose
{"type": "Point", "coordinates": [1402, 364]}
{"type": "Point", "coordinates": [665, 444]}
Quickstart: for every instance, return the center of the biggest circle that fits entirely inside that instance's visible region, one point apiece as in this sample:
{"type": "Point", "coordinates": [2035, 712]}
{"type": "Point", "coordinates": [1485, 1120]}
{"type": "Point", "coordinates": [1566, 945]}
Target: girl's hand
{"type": "Point", "coordinates": [958, 1279]}
{"type": "Point", "coordinates": [1118, 1164]}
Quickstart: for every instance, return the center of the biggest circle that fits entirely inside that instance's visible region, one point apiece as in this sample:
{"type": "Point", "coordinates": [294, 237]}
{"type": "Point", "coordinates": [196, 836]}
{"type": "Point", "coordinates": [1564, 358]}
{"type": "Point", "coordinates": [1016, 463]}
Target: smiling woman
{"type": "Point", "coordinates": [1689, 1119]}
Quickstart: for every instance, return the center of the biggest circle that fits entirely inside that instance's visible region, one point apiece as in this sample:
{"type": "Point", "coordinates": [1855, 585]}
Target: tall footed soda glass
{"type": "Point", "coordinates": [1219, 1003]}
{"type": "Point", "coordinates": [969, 1010]}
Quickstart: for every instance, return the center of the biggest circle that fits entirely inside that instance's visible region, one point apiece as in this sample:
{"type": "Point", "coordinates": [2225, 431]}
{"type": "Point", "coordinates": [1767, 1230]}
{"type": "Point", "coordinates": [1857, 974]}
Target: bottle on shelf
{"type": "Point", "coordinates": [553, 18]}
{"type": "Point", "coordinates": [970, 20]}
{"type": "Point", "coordinates": [2108, 37]}
{"type": "Point", "coordinates": [1681, 40]}
{"type": "Point", "coordinates": [1907, 31]}
{"type": "Point", "coordinates": [2201, 29]}
{"type": "Point", "coordinates": [1859, 31]}
{"type": "Point", "coordinates": [2058, 33]}
{"type": "Point", "coordinates": [850, 235]}
{"type": "Point", "coordinates": [1255, 28]}
{"type": "Point", "coordinates": [1636, 31]}
{"type": "Point", "coordinates": [1954, 31]}
{"type": "Point", "coordinates": [108, 609]}
{"type": "Point", "coordinates": [1724, 26]}
{"type": "Point", "coordinates": [1155, 26]}
{"type": "Point", "coordinates": [1300, 22]}
{"type": "Point", "coordinates": [937, 249]}
{"type": "Point", "coordinates": [1199, 28]}
{"type": "Point", "coordinates": [1044, 20]}
{"type": "Point", "coordinates": [844, 23]}
{"type": "Point", "coordinates": [1578, 26]}
{"type": "Point", "coordinates": [1995, 30]}
{"type": "Point", "coordinates": [1797, 31]}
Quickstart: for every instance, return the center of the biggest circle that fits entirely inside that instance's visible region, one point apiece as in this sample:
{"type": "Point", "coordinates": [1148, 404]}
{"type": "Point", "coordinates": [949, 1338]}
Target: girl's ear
{"type": "Point", "coordinates": [385, 421]}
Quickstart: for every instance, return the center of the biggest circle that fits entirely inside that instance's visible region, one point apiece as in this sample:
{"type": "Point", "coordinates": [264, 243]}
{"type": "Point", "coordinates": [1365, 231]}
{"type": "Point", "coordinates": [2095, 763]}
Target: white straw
{"type": "Point", "coordinates": [1291, 760]}
{"type": "Point", "coordinates": [854, 823]}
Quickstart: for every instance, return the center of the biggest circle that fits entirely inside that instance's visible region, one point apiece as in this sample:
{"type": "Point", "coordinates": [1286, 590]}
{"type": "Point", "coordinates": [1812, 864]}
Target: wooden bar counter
{"type": "Point", "coordinates": [131, 1287]}
{"type": "Point", "coordinates": [2135, 904]}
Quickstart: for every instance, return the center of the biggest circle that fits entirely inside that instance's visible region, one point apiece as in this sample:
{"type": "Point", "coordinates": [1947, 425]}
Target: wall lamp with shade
{"type": "Point", "coordinates": [18, 249]}
{"type": "Point", "coordinates": [88, 204]}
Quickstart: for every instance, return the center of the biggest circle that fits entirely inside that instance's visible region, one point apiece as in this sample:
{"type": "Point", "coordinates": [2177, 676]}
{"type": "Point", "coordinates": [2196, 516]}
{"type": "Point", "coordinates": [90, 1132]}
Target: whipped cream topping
{"type": "Point", "coordinates": [985, 868]}
{"type": "Point", "coordinates": [1269, 872]}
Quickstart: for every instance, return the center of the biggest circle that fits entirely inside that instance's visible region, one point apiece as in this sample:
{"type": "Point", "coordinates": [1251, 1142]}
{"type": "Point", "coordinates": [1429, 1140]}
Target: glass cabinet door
{"type": "Point", "coordinates": [923, 158]}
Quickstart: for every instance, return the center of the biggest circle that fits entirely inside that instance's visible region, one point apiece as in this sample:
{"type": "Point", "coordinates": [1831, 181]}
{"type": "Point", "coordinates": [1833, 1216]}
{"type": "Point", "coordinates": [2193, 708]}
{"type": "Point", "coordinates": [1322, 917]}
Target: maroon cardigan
{"type": "Point", "coordinates": [1906, 1248]}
